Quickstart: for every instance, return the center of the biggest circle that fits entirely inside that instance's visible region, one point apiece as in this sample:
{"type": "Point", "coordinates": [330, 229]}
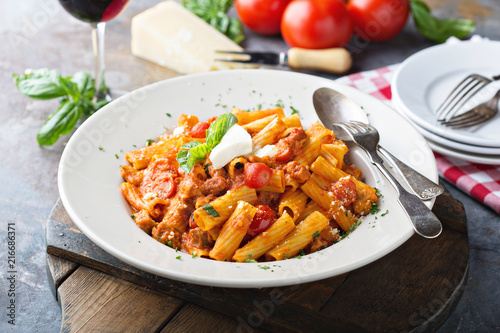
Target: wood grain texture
{"type": "Point", "coordinates": [193, 318]}
{"type": "Point", "coordinates": [414, 288]}
{"type": "Point", "coordinates": [58, 269]}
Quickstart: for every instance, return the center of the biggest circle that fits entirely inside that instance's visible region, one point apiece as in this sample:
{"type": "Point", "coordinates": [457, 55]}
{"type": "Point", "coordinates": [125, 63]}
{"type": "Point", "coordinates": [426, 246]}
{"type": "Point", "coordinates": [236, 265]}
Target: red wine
{"type": "Point", "coordinates": [94, 10]}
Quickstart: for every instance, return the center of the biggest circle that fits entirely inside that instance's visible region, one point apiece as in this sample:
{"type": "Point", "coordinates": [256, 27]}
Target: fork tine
{"type": "Point", "coordinates": [352, 127]}
{"type": "Point", "coordinates": [464, 99]}
{"type": "Point", "coordinates": [465, 115]}
{"type": "Point", "coordinates": [461, 97]}
{"type": "Point", "coordinates": [469, 118]}
{"type": "Point", "coordinates": [251, 57]}
{"type": "Point", "coordinates": [453, 94]}
{"type": "Point", "coordinates": [464, 89]}
{"type": "Point", "coordinates": [231, 52]}
{"type": "Point", "coordinates": [235, 60]}
{"type": "Point", "coordinates": [474, 122]}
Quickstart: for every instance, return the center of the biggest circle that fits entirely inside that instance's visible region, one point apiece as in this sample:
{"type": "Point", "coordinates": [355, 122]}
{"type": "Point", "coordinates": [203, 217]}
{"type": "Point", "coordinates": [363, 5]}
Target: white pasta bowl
{"type": "Point", "coordinates": [89, 175]}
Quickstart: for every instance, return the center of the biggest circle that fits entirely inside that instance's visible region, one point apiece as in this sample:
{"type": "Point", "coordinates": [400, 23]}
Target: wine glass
{"type": "Point", "coordinates": [97, 13]}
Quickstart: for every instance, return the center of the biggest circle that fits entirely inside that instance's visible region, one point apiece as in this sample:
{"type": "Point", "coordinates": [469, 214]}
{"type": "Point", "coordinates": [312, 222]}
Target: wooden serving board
{"type": "Point", "coordinates": [414, 288]}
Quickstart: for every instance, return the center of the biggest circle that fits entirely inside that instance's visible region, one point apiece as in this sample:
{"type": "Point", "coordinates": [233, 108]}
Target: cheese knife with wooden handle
{"type": "Point", "coordinates": [334, 60]}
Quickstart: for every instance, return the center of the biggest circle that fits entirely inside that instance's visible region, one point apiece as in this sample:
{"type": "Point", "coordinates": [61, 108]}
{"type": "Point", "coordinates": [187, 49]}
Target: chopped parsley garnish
{"type": "Point", "coordinates": [210, 210]}
{"type": "Point", "coordinates": [294, 110]}
{"type": "Point", "coordinates": [264, 267]}
{"type": "Point", "coordinates": [132, 216]}
{"type": "Point", "coordinates": [206, 166]}
{"type": "Point", "coordinates": [178, 257]}
{"type": "Point", "coordinates": [100, 148]}
{"type": "Point", "coordinates": [149, 142]}
{"type": "Point", "coordinates": [116, 155]}
{"type": "Point", "coordinates": [385, 213]}
{"type": "Point", "coordinates": [374, 209]}
{"type": "Point", "coordinates": [168, 114]}
{"type": "Point", "coordinates": [194, 255]}
{"type": "Point", "coordinates": [250, 260]}
{"type": "Point", "coordinates": [169, 243]}
{"type": "Point", "coordinates": [316, 234]}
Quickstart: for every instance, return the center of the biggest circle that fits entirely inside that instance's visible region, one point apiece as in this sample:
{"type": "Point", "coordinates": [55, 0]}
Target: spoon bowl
{"type": "Point", "coordinates": [333, 107]}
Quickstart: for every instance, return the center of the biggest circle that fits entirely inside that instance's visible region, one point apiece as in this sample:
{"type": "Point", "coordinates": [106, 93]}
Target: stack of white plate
{"type": "Point", "coordinates": [425, 79]}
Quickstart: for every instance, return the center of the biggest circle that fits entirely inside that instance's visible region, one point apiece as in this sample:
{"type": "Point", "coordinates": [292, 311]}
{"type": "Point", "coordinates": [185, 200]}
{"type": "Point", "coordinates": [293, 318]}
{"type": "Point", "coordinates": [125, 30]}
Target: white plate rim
{"type": "Point", "coordinates": [397, 83]}
{"type": "Point", "coordinates": [466, 156]}
{"type": "Point", "coordinates": [283, 277]}
{"type": "Point", "coordinates": [445, 142]}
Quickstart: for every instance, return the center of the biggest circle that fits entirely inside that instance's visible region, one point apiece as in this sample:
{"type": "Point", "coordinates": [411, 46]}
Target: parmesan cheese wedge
{"type": "Point", "coordinates": [171, 36]}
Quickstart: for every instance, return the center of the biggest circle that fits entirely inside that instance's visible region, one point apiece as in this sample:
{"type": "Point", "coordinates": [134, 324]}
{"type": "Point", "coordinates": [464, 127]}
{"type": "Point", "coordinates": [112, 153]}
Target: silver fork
{"type": "Point", "coordinates": [462, 93]}
{"type": "Point", "coordinates": [476, 116]}
{"type": "Point", "coordinates": [424, 222]}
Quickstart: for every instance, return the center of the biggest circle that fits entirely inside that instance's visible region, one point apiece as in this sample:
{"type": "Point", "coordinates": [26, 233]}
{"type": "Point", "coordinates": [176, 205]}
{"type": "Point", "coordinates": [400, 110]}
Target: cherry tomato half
{"type": "Point", "coordinates": [316, 24]}
{"type": "Point", "coordinates": [257, 175]}
{"type": "Point", "coordinates": [261, 16]}
{"type": "Point", "coordinates": [263, 219]}
{"type": "Point", "coordinates": [378, 20]}
{"type": "Point", "coordinates": [192, 223]}
{"type": "Point", "coordinates": [200, 130]}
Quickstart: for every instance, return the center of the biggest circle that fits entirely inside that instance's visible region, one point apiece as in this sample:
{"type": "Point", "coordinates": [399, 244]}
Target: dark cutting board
{"type": "Point", "coordinates": [414, 288]}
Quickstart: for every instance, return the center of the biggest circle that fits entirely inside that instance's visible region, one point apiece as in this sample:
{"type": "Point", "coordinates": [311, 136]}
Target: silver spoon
{"type": "Point", "coordinates": [333, 107]}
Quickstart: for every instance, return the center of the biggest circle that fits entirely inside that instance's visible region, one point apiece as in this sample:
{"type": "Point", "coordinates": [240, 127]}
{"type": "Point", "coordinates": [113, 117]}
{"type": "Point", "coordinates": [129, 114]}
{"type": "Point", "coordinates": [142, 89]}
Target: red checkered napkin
{"type": "Point", "coordinates": [482, 182]}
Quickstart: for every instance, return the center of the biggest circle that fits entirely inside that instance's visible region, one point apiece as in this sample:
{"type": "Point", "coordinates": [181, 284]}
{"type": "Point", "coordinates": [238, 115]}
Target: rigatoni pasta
{"type": "Point", "coordinates": [289, 199]}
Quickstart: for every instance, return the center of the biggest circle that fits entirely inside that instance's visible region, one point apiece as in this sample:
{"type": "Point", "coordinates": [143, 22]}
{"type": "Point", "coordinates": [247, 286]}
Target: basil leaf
{"type": "Point", "coordinates": [219, 127]}
{"type": "Point", "coordinates": [60, 122]}
{"type": "Point", "coordinates": [197, 154]}
{"type": "Point", "coordinates": [210, 210]}
{"type": "Point", "coordinates": [40, 84]}
{"type": "Point", "coordinates": [214, 13]}
{"type": "Point", "coordinates": [183, 155]}
{"type": "Point", "coordinates": [235, 30]}
{"type": "Point", "coordinates": [70, 87]}
{"type": "Point", "coordinates": [438, 30]}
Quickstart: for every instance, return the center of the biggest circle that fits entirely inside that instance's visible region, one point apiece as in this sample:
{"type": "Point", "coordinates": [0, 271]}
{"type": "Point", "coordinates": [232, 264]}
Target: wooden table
{"type": "Point", "coordinates": [414, 288]}
{"type": "Point", "coordinates": [40, 34]}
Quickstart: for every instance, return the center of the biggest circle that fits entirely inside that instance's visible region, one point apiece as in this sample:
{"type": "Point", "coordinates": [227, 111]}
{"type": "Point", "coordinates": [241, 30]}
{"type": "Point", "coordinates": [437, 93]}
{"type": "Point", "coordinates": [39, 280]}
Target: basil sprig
{"type": "Point", "coordinates": [195, 151]}
{"type": "Point", "coordinates": [438, 30]}
{"type": "Point", "coordinates": [214, 13]}
{"type": "Point", "coordinates": [76, 95]}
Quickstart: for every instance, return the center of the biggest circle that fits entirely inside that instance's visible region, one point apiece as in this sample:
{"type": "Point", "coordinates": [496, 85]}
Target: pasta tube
{"type": "Point", "coordinates": [293, 202]}
{"type": "Point", "coordinates": [218, 211]}
{"type": "Point", "coordinates": [298, 239]}
{"type": "Point", "coordinates": [233, 231]}
{"type": "Point", "coordinates": [266, 240]}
